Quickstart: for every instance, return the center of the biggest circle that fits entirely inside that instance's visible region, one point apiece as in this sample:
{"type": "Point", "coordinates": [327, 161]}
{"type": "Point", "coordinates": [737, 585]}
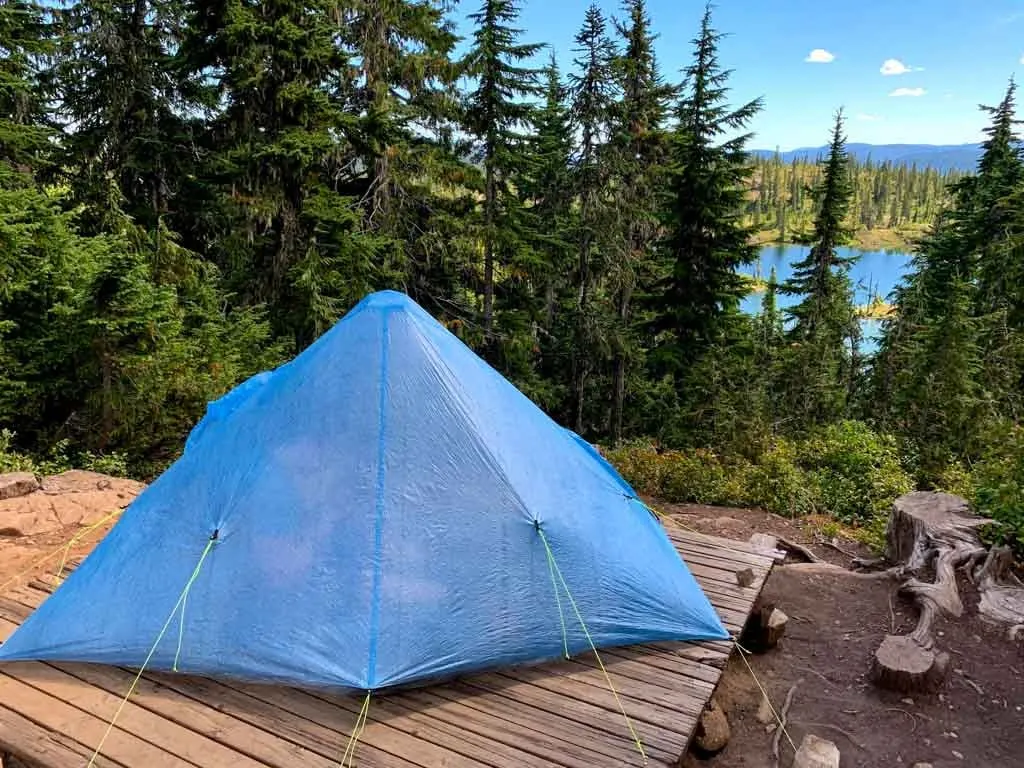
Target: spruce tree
{"type": "Point", "coordinates": [285, 231]}
{"type": "Point", "coordinates": [638, 147]}
{"type": "Point", "coordinates": [705, 241]}
{"type": "Point", "coordinates": [823, 336]}
{"type": "Point", "coordinates": [497, 115]}
{"type": "Point", "coordinates": [24, 40]}
{"type": "Point", "coordinates": [592, 91]}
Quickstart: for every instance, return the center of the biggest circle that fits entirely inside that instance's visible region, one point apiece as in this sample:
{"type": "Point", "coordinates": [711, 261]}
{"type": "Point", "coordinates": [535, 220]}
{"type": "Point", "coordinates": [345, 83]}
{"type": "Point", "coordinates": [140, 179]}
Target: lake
{"type": "Point", "coordinates": [874, 273]}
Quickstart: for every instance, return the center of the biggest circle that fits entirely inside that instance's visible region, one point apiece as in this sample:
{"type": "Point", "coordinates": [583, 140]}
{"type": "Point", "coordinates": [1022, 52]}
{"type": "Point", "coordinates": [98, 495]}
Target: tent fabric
{"type": "Point", "coordinates": [377, 506]}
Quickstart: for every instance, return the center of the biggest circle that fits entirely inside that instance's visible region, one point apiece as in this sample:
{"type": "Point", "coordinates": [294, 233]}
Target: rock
{"type": "Point", "coordinates": [815, 752]}
{"type": "Point", "coordinates": [958, 755]}
{"type": "Point", "coordinates": [745, 577]}
{"type": "Point", "coordinates": [712, 730]}
{"type": "Point", "coordinates": [922, 765]}
{"type": "Point", "coordinates": [14, 484]}
{"type": "Point", "coordinates": [70, 499]}
{"type": "Point", "coordinates": [764, 712]}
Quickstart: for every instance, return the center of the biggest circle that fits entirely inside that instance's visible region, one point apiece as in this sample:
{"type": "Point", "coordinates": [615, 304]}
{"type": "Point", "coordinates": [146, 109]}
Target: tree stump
{"type": "Point", "coordinates": [926, 528]}
{"type": "Point", "coordinates": [900, 664]}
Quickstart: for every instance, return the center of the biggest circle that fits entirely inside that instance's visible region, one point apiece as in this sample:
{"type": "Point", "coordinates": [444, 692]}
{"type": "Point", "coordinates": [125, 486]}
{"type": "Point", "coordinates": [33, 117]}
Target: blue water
{"type": "Point", "coordinates": [874, 273]}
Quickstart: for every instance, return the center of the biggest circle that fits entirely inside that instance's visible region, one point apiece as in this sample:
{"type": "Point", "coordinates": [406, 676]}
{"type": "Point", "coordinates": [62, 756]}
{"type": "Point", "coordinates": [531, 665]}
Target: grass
{"type": "Point", "coordinates": [863, 239]}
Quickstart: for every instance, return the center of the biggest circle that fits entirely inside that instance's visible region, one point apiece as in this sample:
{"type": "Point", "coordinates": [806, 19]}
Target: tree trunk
{"type": "Point", "coordinates": [489, 249]}
{"type": "Point", "coordinates": [619, 391]}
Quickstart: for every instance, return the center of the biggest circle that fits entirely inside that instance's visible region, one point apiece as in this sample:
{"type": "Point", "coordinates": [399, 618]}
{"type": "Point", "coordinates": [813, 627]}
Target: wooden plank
{"type": "Point", "coordinates": [327, 742]}
{"type": "Point", "coordinates": [29, 740]}
{"type": "Point", "coordinates": [571, 685]}
{"type": "Point", "coordinates": [635, 669]}
{"type": "Point", "coordinates": [741, 552]}
{"type": "Point", "coordinates": [56, 715]}
{"type": "Point", "coordinates": [611, 723]}
{"type": "Point", "coordinates": [532, 719]}
{"type": "Point", "coordinates": [668, 661]}
{"type": "Point", "coordinates": [253, 742]}
{"type": "Point", "coordinates": [379, 732]}
{"type": "Point", "coordinates": [510, 738]}
{"type": "Point", "coordinates": [190, 746]}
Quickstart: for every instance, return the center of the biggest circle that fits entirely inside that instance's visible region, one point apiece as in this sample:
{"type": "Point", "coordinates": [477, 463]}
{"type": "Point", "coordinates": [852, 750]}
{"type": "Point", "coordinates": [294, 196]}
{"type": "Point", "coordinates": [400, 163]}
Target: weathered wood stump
{"type": "Point", "coordinates": [900, 664]}
{"type": "Point", "coordinates": [926, 529]}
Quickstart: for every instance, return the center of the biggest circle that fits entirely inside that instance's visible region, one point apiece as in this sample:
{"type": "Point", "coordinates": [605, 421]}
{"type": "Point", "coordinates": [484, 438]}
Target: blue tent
{"type": "Point", "coordinates": [384, 509]}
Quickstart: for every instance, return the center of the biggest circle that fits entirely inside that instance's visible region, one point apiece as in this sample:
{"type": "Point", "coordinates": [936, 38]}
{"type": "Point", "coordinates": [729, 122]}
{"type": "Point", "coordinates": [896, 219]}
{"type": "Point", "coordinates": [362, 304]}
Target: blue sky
{"type": "Point", "coordinates": [956, 53]}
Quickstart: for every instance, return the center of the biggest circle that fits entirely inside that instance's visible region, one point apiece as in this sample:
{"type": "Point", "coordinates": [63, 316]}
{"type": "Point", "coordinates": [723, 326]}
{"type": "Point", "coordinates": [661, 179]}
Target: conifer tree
{"type": "Point", "coordinates": [24, 39]}
{"type": "Point", "coordinates": [638, 152]}
{"type": "Point", "coordinates": [592, 91]}
{"type": "Point", "coordinates": [822, 339]}
{"type": "Point", "coordinates": [288, 236]}
{"type": "Point", "coordinates": [705, 241]}
{"type": "Point", "coordinates": [497, 115]}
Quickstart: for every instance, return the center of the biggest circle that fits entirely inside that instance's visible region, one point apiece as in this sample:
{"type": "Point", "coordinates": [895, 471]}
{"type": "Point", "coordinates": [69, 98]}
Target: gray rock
{"type": "Point", "coordinates": [14, 484]}
{"type": "Point", "coordinates": [816, 753]}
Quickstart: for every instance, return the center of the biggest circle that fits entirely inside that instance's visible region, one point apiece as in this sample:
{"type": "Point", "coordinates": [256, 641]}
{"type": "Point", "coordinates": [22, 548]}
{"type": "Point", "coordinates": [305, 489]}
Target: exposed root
{"type": "Point", "coordinates": [782, 725]}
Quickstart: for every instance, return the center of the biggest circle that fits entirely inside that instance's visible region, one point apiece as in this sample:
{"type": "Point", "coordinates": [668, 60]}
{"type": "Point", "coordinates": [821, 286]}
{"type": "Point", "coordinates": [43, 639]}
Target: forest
{"type": "Point", "coordinates": [193, 192]}
{"type": "Point", "coordinates": [891, 205]}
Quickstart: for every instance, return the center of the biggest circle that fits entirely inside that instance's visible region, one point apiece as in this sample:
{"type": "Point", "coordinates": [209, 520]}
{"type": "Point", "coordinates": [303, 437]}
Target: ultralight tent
{"type": "Point", "coordinates": [385, 509]}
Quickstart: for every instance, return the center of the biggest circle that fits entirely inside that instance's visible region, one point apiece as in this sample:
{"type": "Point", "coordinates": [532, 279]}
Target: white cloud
{"type": "Point", "coordinates": [909, 92]}
{"type": "Point", "coordinates": [868, 118]}
{"type": "Point", "coordinates": [820, 56]}
{"type": "Point", "coordinates": [894, 67]}
{"type": "Point", "coordinates": [1022, 59]}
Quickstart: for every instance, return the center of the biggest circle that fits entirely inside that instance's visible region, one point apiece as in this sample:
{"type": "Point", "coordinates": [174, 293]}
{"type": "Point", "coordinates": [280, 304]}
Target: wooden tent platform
{"type": "Point", "coordinates": [559, 714]}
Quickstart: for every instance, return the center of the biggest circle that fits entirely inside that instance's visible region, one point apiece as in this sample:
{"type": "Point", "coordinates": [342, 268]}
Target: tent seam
{"type": "Point", "coordinates": [378, 534]}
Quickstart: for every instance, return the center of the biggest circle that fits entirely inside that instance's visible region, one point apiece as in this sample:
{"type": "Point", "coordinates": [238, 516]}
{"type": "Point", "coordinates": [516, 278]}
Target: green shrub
{"type": "Point", "coordinates": [856, 471]}
{"type": "Point", "coordinates": [701, 477]}
{"type": "Point", "coordinates": [778, 485]}
{"type": "Point", "coordinates": [640, 465]}
{"type": "Point", "coordinates": [998, 481]}
{"type": "Point", "coordinates": [10, 459]}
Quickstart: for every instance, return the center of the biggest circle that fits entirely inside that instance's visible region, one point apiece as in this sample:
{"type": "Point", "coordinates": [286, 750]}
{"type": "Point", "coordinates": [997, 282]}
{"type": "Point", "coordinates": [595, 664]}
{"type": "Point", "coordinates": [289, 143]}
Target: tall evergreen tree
{"type": "Point", "coordinates": [290, 237]}
{"type": "Point", "coordinates": [497, 115]}
{"type": "Point", "coordinates": [705, 241]}
{"type": "Point", "coordinates": [592, 92]}
{"type": "Point", "coordinates": [823, 336]}
{"type": "Point", "coordinates": [638, 152]}
{"type": "Point", "coordinates": [24, 39]}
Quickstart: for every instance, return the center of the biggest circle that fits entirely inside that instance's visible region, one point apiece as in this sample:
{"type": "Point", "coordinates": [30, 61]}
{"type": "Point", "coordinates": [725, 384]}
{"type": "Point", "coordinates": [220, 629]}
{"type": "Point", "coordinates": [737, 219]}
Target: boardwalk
{"type": "Point", "coordinates": [559, 714]}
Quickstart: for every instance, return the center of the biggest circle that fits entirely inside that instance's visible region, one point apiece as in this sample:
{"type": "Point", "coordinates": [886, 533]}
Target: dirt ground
{"type": "Point", "coordinates": [836, 623]}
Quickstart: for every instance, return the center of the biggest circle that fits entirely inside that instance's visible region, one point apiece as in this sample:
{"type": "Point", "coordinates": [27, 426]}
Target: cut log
{"type": "Point", "coordinates": [901, 664]}
{"type": "Point", "coordinates": [764, 628]}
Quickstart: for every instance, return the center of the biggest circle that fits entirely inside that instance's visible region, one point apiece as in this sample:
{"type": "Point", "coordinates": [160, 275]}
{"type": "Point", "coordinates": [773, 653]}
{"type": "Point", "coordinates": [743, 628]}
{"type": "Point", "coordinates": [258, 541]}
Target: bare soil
{"type": "Point", "coordinates": [836, 622]}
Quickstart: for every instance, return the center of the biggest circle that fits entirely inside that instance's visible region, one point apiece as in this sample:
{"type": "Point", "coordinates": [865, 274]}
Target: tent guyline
{"type": "Point", "coordinates": [590, 640]}
{"type": "Point", "coordinates": [210, 542]}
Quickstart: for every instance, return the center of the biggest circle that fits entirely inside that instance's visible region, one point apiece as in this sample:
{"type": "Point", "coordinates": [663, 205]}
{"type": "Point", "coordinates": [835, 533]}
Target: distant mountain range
{"type": "Point", "coordinates": [943, 157]}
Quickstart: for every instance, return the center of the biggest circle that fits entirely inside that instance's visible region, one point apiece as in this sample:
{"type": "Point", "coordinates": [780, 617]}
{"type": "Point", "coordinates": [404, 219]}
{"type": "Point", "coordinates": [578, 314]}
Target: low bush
{"type": "Point", "coordinates": [998, 486]}
{"type": "Point", "coordinates": [856, 471]}
{"type": "Point", "coordinates": [58, 459]}
{"type": "Point", "coordinates": [845, 470]}
{"type": "Point", "coordinates": [777, 484]}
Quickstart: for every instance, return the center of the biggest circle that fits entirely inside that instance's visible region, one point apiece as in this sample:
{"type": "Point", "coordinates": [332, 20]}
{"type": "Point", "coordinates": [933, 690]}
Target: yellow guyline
{"type": "Point", "coordinates": [593, 647]}
{"type": "Point", "coordinates": [65, 548]}
{"type": "Point", "coordinates": [357, 731]}
{"type": "Point", "coordinates": [184, 592]}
